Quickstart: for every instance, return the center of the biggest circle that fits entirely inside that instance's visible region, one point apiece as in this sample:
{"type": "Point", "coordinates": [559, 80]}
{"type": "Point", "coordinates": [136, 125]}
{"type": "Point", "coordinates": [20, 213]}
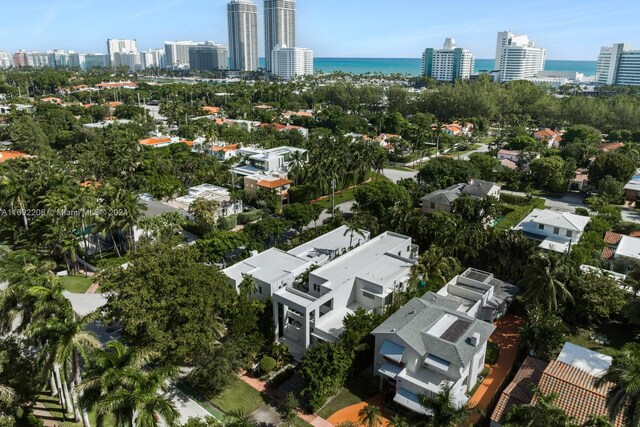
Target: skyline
{"type": "Point", "coordinates": [361, 29]}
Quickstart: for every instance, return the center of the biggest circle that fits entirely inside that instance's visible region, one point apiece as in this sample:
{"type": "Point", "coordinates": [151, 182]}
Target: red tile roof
{"type": "Point", "coordinates": [610, 146]}
{"type": "Point", "coordinates": [155, 140]}
{"type": "Point", "coordinates": [607, 253]}
{"type": "Point", "coordinates": [518, 391]}
{"type": "Point", "coordinates": [612, 238]}
{"type": "Point", "coordinates": [276, 183]}
{"type": "Point", "coordinates": [545, 134]}
{"type": "Point", "coordinates": [577, 395]}
{"type": "Point", "coordinates": [10, 154]}
{"type": "Point", "coordinates": [635, 234]}
{"type": "Point", "coordinates": [212, 110]}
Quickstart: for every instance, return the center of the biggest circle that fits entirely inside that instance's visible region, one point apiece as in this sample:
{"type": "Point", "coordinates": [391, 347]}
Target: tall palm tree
{"type": "Point", "coordinates": [398, 421]}
{"type": "Point", "coordinates": [370, 416]}
{"type": "Point", "coordinates": [624, 373]}
{"type": "Point", "coordinates": [66, 341]}
{"type": "Point", "coordinates": [353, 228]}
{"type": "Point", "coordinates": [442, 409]}
{"type": "Point", "coordinates": [543, 281]}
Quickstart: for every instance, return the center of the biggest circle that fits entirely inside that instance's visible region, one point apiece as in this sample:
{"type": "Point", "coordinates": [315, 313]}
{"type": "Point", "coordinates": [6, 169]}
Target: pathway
{"type": "Point", "coordinates": [350, 413]}
{"type": "Point", "coordinates": [396, 175]}
{"type": "Point", "coordinates": [48, 419]}
{"type": "Point", "coordinates": [92, 289]}
{"type": "Point", "coordinates": [507, 336]}
{"type": "Point", "coordinates": [267, 413]}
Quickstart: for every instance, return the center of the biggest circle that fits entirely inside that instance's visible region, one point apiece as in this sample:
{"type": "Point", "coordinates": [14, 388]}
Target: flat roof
{"type": "Point", "coordinates": [589, 361]}
{"type": "Point", "coordinates": [320, 248]}
{"type": "Point", "coordinates": [556, 219]}
{"type": "Point", "coordinates": [269, 266]}
{"type": "Point", "coordinates": [371, 262]}
{"type": "Point", "coordinates": [628, 247]}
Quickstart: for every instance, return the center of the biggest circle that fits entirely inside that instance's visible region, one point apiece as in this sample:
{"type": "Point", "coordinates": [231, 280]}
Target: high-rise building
{"type": "Point", "coordinates": [618, 65]}
{"type": "Point", "coordinates": [279, 26]}
{"type": "Point", "coordinates": [96, 60]}
{"type": "Point", "coordinates": [20, 59]}
{"type": "Point", "coordinates": [152, 58]}
{"type": "Point", "coordinates": [130, 60]}
{"type": "Point", "coordinates": [36, 59]}
{"type": "Point", "coordinates": [449, 63]}
{"type": "Point", "coordinates": [291, 62]}
{"type": "Point", "coordinates": [208, 56]}
{"type": "Point", "coordinates": [243, 35]}
{"type": "Point", "coordinates": [58, 58]}
{"type": "Point", "coordinates": [6, 60]}
{"type": "Point", "coordinates": [77, 60]}
{"type": "Point", "coordinates": [120, 46]}
{"type": "Point", "coordinates": [176, 54]}
{"type": "Point", "coordinates": [517, 57]}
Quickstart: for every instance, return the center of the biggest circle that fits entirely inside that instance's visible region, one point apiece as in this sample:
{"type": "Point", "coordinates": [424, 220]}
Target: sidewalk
{"type": "Point", "coordinates": [507, 337]}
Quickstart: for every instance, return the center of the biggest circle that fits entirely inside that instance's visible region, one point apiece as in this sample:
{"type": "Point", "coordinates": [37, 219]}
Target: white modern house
{"type": "Point", "coordinates": [367, 277]}
{"type": "Point", "coordinates": [556, 231]}
{"type": "Point", "coordinates": [255, 160]}
{"type": "Point", "coordinates": [274, 269]}
{"type": "Point", "coordinates": [429, 342]}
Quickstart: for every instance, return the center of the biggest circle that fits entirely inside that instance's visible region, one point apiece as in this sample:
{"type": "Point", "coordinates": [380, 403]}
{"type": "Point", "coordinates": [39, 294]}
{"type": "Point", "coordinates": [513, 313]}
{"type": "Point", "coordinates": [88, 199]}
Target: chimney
{"type": "Point", "coordinates": [474, 339]}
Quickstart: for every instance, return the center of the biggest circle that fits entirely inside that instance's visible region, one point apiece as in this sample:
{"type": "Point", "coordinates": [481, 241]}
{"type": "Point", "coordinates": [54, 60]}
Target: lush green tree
{"type": "Point", "coordinates": [205, 212]}
{"type": "Point", "coordinates": [20, 380]}
{"type": "Point", "coordinates": [475, 210]}
{"type": "Point", "coordinates": [598, 297]}
{"type": "Point", "coordinates": [611, 189]}
{"type": "Point", "coordinates": [624, 373]}
{"type": "Point", "coordinates": [543, 412]}
{"type": "Point", "coordinates": [324, 369]}
{"type": "Point", "coordinates": [443, 411]}
{"type": "Point", "coordinates": [300, 215]}
{"type": "Point", "coordinates": [488, 165]}
{"type": "Point", "coordinates": [544, 281]}
{"type": "Point", "coordinates": [288, 409]}
{"type": "Point", "coordinates": [399, 421]}
{"type": "Point", "coordinates": [377, 198]}
{"type": "Point", "coordinates": [520, 142]}
{"type": "Point", "coordinates": [582, 134]}
{"type": "Point", "coordinates": [543, 333]}
{"type": "Point", "coordinates": [370, 416]}
{"type": "Point", "coordinates": [552, 173]}
{"type": "Point", "coordinates": [442, 172]}
{"type": "Point", "coordinates": [168, 301]}
{"type": "Point", "coordinates": [434, 269]}
{"type": "Point", "coordinates": [613, 164]}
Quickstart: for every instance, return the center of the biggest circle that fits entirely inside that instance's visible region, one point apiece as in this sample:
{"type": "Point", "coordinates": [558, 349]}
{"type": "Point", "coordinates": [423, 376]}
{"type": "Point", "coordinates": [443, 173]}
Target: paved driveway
{"type": "Point", "coordinates": [395, 175]}
{"type": "Point", "coordinates": [567, 203]}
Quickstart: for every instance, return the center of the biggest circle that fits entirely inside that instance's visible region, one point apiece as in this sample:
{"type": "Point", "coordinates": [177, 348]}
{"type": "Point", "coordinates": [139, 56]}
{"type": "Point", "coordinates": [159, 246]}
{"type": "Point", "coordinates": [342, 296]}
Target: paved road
{"type": "Point", "coordinates": [483, 149]}
{"type": "Point", "coordinates": [187, 407]}
{"type": "Point", "coordinates": [566, 203]}
{"type": "Point", "coordinates": [396, 175]}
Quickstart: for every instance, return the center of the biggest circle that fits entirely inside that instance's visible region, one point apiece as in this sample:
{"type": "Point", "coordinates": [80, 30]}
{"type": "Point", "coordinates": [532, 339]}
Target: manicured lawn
{"type": "Point", "coordinates": [76, 284]}
{"type": "Point", "coordinates": [239, 396]}
{"type": "Point", "coordinates": [346, 195]}
{"type": "Point", "coordinates": [299, 422]}
{"type": "Point", "coordinates": [51, 403]}
{"type": "Point", "coordinates": [616, 334]}
{"type": "Point", "coordinates": [400, 168]}
{"type": "Point", "coordinates": [341, 400]}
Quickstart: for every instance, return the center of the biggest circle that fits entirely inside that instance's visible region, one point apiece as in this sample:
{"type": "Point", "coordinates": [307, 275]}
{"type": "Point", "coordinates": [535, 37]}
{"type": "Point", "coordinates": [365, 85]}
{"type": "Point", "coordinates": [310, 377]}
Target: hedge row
{"type": "Point", "coordinates": [514, 217]}
{"type": "Point", "coordinates": [228, 223]}
{"type": "Point", "coordinates": [512, 199]}
{"type": "Point", "coordinates": [247, 217]}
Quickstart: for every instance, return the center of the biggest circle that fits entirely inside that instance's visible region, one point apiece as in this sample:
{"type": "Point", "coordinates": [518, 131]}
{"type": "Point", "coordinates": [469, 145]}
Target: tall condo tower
{"type": "Point", "coordinates": [279, 26]}
{"type": "Point", "coordinates": [517, 57]}
{"type": "Point", "coordinates": [243, 35]}
{"type": "Point", "coordinates": [120, 46]}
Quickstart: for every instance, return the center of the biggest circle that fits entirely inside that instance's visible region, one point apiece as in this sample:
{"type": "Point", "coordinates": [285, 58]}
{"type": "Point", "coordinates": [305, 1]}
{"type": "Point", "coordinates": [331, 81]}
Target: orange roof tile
{"type": "Point", "coordinates": [189, 143]}
{"type": "Point", "coordinates": [111, 85]}
{"type": "Point", "coordinates": [271, 184]}
{"type": "Point", "coordinates": [212, 110]}
{"type": "Point", "coordinates": [52, 99]}
{"type": "Point", "coordinates": [229, 147]}
{"type": "Point", "coordinates": [545, 133]}
{"type": "Point", "coordinates": [10, 154]}
{"type": "Point", "coordinates": [114, 104]}
{"type": "Point", "coordinates": [635, 234]}
{"type": "Point", "coordinates": [612, 238]}
{"type": "Point", "coordinates": [577, 395]}
{"type": "Point", "coordinates": [607, 253]}
{"type": "Point", "coordinates": [610, 146]}
{"type": "Point", "coordinates": [518, 391]}
{"type": "Point", "coordinates": [92, 184]}
{"type": "Point", "coordinates": [155, 140]}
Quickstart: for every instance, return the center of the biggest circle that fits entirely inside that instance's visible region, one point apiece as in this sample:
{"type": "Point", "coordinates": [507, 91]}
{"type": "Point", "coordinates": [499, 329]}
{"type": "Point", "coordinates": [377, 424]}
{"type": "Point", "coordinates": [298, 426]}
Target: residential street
{"type": "Point", "coordinates": [566, 203]}
{"type": "Point", "coordinates": [395, 175]}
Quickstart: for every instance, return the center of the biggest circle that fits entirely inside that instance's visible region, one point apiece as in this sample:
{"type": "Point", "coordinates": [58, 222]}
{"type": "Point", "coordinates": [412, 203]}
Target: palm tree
{"type": "Point", "coordinates": [597, 421]}
{"type": "Point", "coordinates": [65, 341]}
{"type": "Point", "coordinates": [240, 419]}
{"type": "Point", "coordinates": [370, 416]}
{"type": "Point", "coordinates": [398, 421]}
{"type": "Point", "coordinates": [543, 412]}
{"type": "Point", "coordinates": [434, 268]}
{"type": "Point", "coordinates": [624, 396]}
{"type": "Point", "coordinates": [15, 195]}
{"type": "Point", "coordinates": [442, 409]}
{"type": "Point", "coordinates": [132, 395]}
{"type": "Point", "coordinates": [543, 281]}
{"type": "Point", "coordinates": [353, 228]}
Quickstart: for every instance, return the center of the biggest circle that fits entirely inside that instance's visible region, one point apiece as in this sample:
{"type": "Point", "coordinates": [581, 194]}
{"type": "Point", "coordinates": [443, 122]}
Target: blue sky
{"type": "Point", "coordinates": [333, 28]}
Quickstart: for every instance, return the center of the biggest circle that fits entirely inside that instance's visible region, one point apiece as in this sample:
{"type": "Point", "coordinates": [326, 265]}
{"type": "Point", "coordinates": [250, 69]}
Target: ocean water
{"type": "Point", "coordinates": [412, 65]}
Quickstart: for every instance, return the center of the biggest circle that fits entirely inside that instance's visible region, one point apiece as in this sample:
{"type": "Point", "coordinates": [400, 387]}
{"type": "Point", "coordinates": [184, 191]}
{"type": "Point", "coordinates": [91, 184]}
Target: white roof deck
{"type": "Point", "coordinates": [589, 361]}
{"type": "Point", "coordinates": [628, 247]}
{"type": "Point", "coordinates": [321, 248]}
{"type": "Point", "coordinates": [269, 266]}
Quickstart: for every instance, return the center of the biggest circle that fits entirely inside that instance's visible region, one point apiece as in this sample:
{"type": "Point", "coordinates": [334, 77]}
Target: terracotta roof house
{"type": "Point", "coordinates": [210, 110]}
{"type": "Point", "coordinates": [571, 377]}
{"type": "Point", "coordinates": [610, 146]}
{"type": "Point", "coordinates": [10, 154]}
{"type": "Point", "coordinates": [549, 137]}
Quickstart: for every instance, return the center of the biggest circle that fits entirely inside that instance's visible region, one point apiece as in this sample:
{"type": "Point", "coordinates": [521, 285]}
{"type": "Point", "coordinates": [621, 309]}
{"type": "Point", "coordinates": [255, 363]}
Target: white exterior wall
{"type": "Point", "coordinates": [120, 46]}
{"type": "Point", "coordinates": [291, 62]}
{"type": "Point", "coordinates": [517, 57]}
{"type": "Point", "coordinates": [6, 60]}
{"type": "Point", "coordinates": [279, 26]}
{"type": "Point", "coordinates": [242, 18]}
